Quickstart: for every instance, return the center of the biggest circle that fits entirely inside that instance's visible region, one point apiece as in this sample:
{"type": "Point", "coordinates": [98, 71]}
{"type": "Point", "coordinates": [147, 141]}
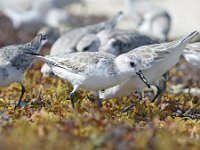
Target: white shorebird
{"type": "Point", "coordinates": [150, 19]}
{"type": "Point", "coordinates": [192, 54]}
{"type": "Point", "coordinates": [119, 42]}
{"type": "Point", "coordinates": [116, 42]}
{"type": "Point", "coordinates": [122, 41]}
{"type": "Point", "coordinates": [69, 41]}
{"type": "Point", "coordinates": [33, 12]}
{"type": "Point", "coordinates": [156, 60]}
{"type": "Point", "coordinates": [93, 70]}
{"type": "Point", "coordinates": [14, 62]}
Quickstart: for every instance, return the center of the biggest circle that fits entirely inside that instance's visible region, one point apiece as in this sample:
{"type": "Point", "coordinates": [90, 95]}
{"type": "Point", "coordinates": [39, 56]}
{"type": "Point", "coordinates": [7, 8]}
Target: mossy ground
{"type": "Point", "coordinates": [48, 121]}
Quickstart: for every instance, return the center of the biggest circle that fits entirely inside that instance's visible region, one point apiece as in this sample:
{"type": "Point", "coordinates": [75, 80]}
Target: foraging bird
{"type": "Point", "coordinates": [75, 40]}
{"type": "Point", "coordinates": [118, 42]}
{"type": "Point", "coordinates": [14, 62]}
{"type": "Point", "coordinates": [93, 70]}
{"type": "Point", "coordinates": [156, 60]}
{"type": "Point", "coordinates": [150, 19]}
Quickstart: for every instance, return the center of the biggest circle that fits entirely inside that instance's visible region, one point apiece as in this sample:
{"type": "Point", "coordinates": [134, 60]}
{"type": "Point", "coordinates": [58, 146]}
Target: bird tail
{"type": "Point", "coordinates": [182, 42]}
{"type": "Point", "coordinates": [189, 37]}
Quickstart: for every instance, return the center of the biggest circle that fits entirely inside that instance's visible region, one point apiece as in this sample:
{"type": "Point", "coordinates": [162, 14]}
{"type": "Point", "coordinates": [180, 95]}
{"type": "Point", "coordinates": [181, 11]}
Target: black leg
{"type": "Point", "coordinates": [72, 99]}
{"type": "Point", "coordinates": [75, 87]}
{"type": "Point", "coordinates": [159, 91]}
{"type": "Point", "coordinates": [161, 88]}
{"type": "Point", "coordinates": [20, 98]}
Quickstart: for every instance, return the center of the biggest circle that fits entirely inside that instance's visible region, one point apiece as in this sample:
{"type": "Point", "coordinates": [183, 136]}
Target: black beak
{"type": "Point", "coordinates": [141, 76]}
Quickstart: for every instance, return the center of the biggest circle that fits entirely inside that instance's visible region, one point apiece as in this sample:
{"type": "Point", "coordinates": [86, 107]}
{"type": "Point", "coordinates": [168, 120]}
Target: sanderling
{"type": "Point", "coordinates": [14, 62]}
{"type": "Point", "coordinates": [118, 41]}
{"type": "Point", "coordinates": [93, 70]}
{"type": "Point", "coordinates": [68, 42]}
{"type": "Point", "coordinates": [192, 54]}
{"type": "Point", "coordinates": [156, 60]}
{"type": "Point", "coordinates": [122, 41]}
{"type": "Point", "coordinates": [151, 19]}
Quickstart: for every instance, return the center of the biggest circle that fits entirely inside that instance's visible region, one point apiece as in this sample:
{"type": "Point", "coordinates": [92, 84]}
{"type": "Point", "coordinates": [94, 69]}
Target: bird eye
{"type": "Point", "coordinates": [114, 44]}
{"type": "Point", "coordinates": [132, 64]}
{"type": "Point", "coordinates": [85, 49]}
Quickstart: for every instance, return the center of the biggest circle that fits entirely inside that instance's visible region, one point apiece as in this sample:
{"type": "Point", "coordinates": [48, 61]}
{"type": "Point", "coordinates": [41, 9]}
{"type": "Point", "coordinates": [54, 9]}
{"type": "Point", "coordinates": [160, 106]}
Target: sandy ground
{"type": "Point", "coordinates": [185, 13]}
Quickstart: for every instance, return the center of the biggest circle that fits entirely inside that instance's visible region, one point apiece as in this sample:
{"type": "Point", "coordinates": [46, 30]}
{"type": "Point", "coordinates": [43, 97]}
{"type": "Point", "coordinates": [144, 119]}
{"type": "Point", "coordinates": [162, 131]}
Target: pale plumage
{"type": "Point", "coordinates": [156, 60]}
{"type": "Point", "coordinates": [93, 70]}
{"type": "Point", "coordinates": [122, 41]}
{"type": "Point", "coordinates": [69, 41]}
{"type": "Point", "coordinates": [14, 62]}
{"type": "Point", "coordinates": [118, 41]}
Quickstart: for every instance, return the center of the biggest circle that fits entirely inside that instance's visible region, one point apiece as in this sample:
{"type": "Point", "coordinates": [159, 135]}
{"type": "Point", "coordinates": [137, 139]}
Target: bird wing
{"type": "Point", "coordinates": [153, 53]}
{"type": "Point", "coordinates": [130, 40]}
{"type": "Point", "coordinates": [79, 62]}
{"type": "Point", "coordinates": [14, 54]}
{"type": "Point", "coordinates": [8, 53]}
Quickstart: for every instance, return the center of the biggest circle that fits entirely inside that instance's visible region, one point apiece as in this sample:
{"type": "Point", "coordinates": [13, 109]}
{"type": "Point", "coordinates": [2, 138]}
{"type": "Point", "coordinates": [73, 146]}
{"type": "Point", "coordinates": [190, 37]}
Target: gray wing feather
{"type": "Point", "coordinates": [124, 40]}
{"type": "Point", "coordinates": [152, 53]}
{"type": "Point", "coordinates": [79, 62]}
{"type": "Point", "coordinates": [15, 56]}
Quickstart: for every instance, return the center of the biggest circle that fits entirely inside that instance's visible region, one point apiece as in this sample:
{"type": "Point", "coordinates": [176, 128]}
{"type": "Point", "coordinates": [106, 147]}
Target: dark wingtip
{"type": "Point", "coordinates": [190, 36]}
{"type": "Point", "coordinates": [193, 33]}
